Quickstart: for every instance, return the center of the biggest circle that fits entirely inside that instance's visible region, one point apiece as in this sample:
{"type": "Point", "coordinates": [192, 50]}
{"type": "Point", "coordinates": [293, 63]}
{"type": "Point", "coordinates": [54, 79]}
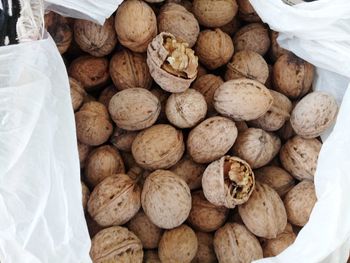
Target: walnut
{"type": "Point", "coordinates": [172, 63]}
{"type": "Point", "coordinates": [93, 227]}
{"type": "Point", "coordinates": [107, 94]}
{"type": "Point", "coordinates": [84, 151]}
{"type": "Point", "coordinates": [241, 126]}
{"type": "Point", "coordinates": [276, 50]}
{"type": "Point", "coordinates": [214, 48]}
{"type": "Point", "coordinates": [85, 195]}
{"type": "Point", "coordinates": [77, 93]}
{"type": "Point", "coordinates": [231, 27]}
{"type": "Point", "coordinates": [166, 199]}
{"type": "Point", "coordinates": [151, 256]}
{"type": "Point", "coordinates": [201, 71]}
{"type": "Point", "coordinates": [162, 96]}
{"type": "Point", "coordinates": [246, 11]}
{"type": "Point", "coordinates": [123, 139]}
{"type": "Point", "coordinates": [205, 252]}
{"type": "Point", "coordinates": [228, 182]}
{"type": "Point", "coordinates": [286, 132]}
{"type": "Point", "coordinates": [136, 25]}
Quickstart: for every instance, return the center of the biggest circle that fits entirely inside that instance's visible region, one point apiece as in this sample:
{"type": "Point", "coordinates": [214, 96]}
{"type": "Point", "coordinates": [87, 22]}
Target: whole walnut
{"type": "Point", "coordinates": [116, 244]}
{"type": "Point", "coordinates": [275, 177]}
{"type": "Point", "coordinates": [228, 182]}
{"type": "Point", "coordinates": [299, 202]}
{"type": "Point", "coordinates": [145, 230]}
{"type": "Point", "coordinates": [101, 163]}
{"type": "Point", "coordinates": [130, 70]}
{"type": "Point", "coordinates": [205, 252]}
{"type": "Point", "coordinates": [292, 76]}
{"type": "Point", "coordinates": [166, 199]}
{"type": "Point", "coordinates": [235, 244]}
{"type": "Point", "coordinates": [314, 114]}
{"type": "Point", "coordinates": [214, 48]}
{"type": "Point", "coordinates": [136, 25]}
{"type": "Point", "coordinates": [91, 72]}
{"type": "Point", "coordinates": [186, 109]}
{"type": "Point", "coordinates": [246, 11]}
{"type": "Point", "coordinates": [211, 139]}
{"type": "Point", "coordinates": [205, 216]}
{"type": "Point", "coordinates": [264, 213]}
{"type": "Point", "coordinates": [85, 195]}
{"type": "Point", "coordinates": [77, 93]}
{"type": "Point", "coordinates": [83, 150]}
{"type": "Point", "coordinates": [231, 27]}
{"type": "Point", "coordinates": [257, 147]}
{"type": "Point", "coordinates": [151, 256]}
{"type": "Point", "coordinates": [158, 147]}
{"type": "Point", "coordinates": [115, 200]}
{"type": "Point", "coordinates": [242, 99]}
{"type": "Point", "coordinates": [247, 64]}
{"type": "Point", "coordinates": [214, 13]}
{"type": "Point", "coordinates": [172, 64]}
{"type": "Point", "coordinates": [276, 50]}
{"type": "Point", "coordinates": [178, 245]}
{"type": "Point", "coordinates": [175, 19]}
{"type": "Point", "coordinates": [107, 94]}
{"type": "Point", "coordinates": [253, 37]}
{"type": "Point", "coordinates": [299, 157]}
{"type": "Point", "coordinates": [134, 109]}
{"type": "Point", "coordinates": [123, 139]}
{"type": "Point", "coordinates": [95, 39]}
{"type": "Point", "coordinates": [92, 124]}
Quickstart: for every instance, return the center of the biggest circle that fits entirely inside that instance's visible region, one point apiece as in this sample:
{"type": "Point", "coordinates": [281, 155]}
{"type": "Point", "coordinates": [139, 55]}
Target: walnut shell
{"type": "Point", "coordinates": [276, 50]}
{"type": "Point", "coordinates": [136, 25]}
{"type": "Point", "coordinates": [151, 256]}
{"type": "Point", "coordinates": [292, 76]}
{"type": "Point", "coordinates": [253, 37]}
{"type": "Point", "coordinates": [264, 213]}
{"type": "Point", "coordinates": [214, 13]}
{"type": "Point", "coordinates": [116, 244]}
{"type": "Point", "coordinates": [95, 39]}
{"type": "Point", "coordinates": [246, 11]}
{"type": "Point", "coordinates": [123, 139]}
{"type": "Point", "coordinates": [242, 99]}
{"type": "Point", "coordinates": [233, 243]}
{"type": "Point", "coordinates": [115, 200]}
{"type": "Point", "coordinates": [299, 157]}
{"type": "Point", "coordinates": [92, 124]}
{"type": "Point", "coordinates": [101, 163]}
{"type": "Point", "coordinates": [299, 202]}
{"type": "Point", "coordinates": [257, 147]}
{"type": "Point", "coordinates": [205, 252]}
{"type": "Point", "coordinates": [130, 70]}
{"type": "Point", "coordinates": [166, 199]}
{"type": "Point", "coordinates": [214, 48]}
{"type": "Point", "coordinates": [83, 150]}
{"type": "Point", "coordinates": [172, 64]}
{"type": "Point", "coordinates": [178, 245]}
{"type": "Point", "coordinates": [77, 93]}
{"type": "Point", "coordinates": [211, 139]}
{"type": "Point", "coordinates": [91, 72]}
{"type": "Point", "coordinates": [314, 114]}
{"type": "Point", "coordinates": [228, 182]}
{"type": "Point", "coordinates": [134, 109]}
{"type": "Point", "coordinates": [85, 195]}
{"type": "Point", "coordinates": [107, 94]}
{"type": "Point", "coordinates": [247, 64]}
{"type": "Point", "coordinates": [205, 216]}
{"type": "Point", "coordinates": [145, 230]}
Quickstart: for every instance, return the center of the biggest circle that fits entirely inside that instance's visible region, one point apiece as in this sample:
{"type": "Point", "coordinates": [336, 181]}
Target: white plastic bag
{"type": "Point", "coordinates": [319, 32]}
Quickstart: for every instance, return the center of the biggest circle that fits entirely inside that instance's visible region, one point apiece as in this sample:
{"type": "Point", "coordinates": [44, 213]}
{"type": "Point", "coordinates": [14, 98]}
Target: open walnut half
{"type": "Point", "coordinates": [228, 182]}
{"type": "Point", "coordinates": [172, 63]}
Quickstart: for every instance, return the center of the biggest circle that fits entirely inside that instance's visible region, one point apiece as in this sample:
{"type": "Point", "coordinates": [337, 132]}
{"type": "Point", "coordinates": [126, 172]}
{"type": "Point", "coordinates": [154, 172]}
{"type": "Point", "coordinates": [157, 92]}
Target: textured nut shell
{"type": "Point", "coordinates": [83, 150]}
{"type": "Point", "coordinates": [134, 109]}
{"type": "Point", "coordinates": [116, 244]}
{"type": "Point", "coordinates": [211, 139]}
{"type": "Point", "coordinates": [162, 96]}
{"type": "Point", "coordinates": [247, 12]}
{"type": "Point", "coordinates": [299, 202]}
{"type": "Point", "coordinates": [115, 200]}
{"type": "Point", "coordinates": [286, 132]}
{"type": "Point", "coordinates": [130, 70]}
{"type": "Point", "coordinates": [233, 243]}
{"type": "Point", "coordinates": [101, 163]}
{"type": "Point", "coordinates": [276, 50]}
{"type": "Point", "coordinates": [136, 25]}
{"type": "Point", "coordinates": [214, 13]}
{"type": "Point", "coordinates": [205, 216]}
{"type": "Point", "coordinates": [85, 195]}
{"type": "Point", "coordinates": [186, 109]}
{"type": "Point", "coordinates": [77, 93]}
{"type": "Point", "coordinates": [178, 245]}
{"type": "Point", "coordinates": [253, 37]}
{"type": "Point", "coordinates": [273, 247]}
{"type": "Point", "coordinates": [247, 64]}
{"type": "Point", "coordinates": [166, 199]}
{"type": "Point", "coordinates": [201, 71]}
{"type": "Point", "coordinates": [158, 147]}
{"type": "Point", "coordinates": [299, 157]}
{"type": "Point", "coordinates": [107, 94]}
{"type": "Point", "coordinates": [214, 48]}
{"type": "Point", "coordinates": [231, 27]}
{"type": "Point", "coordinates": [151, 256]}
{"type": "Point", "coordinates": [292, 76]}
{"type": "Point", "coordinates": [242, 99]}
{"type": "Point", "coordinates": [314, 114]}
{"type": "Point", "coordinates": [95, 39]}
{"type": "Point", "coordinates": [264, 213]}
{"type": "Point", "coordinates": [145, 230]}
{"type": "Point", "coordinates": [205, 252]}
{"type": "Point", "coordinates": [123, 139]}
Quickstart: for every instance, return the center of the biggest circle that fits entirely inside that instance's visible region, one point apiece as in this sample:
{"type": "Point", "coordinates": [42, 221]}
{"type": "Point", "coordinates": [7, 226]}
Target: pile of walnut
{"type": "Point", "coordinates": [198, 134]}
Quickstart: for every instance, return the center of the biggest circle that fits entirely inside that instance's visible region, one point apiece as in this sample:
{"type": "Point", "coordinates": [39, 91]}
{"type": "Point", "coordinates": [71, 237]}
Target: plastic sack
{"type": "Point", "coordinates": [319, 32]}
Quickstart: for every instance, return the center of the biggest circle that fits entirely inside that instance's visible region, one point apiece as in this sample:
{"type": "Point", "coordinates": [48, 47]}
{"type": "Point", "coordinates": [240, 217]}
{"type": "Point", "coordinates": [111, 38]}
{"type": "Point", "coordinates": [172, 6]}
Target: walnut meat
{"type": "Point", "coordinates": [77, 93]}
{"type": "Point", "coordinates": [123, 139]}
{"type": "Point", "coordinates": [264, 213]}
{"type": "Point", "coordinates": [166, 199]}
{"type": "Point", "coordinates": [205, 252]}
{"type": "Point", "coordinates": [246, 11]}
{"type": "Point", "coordinates": [228, 182]}
{"type": "Point", "coordinates": [116, 244]}
{"type": "Point", "coordinates": [211, 139]}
